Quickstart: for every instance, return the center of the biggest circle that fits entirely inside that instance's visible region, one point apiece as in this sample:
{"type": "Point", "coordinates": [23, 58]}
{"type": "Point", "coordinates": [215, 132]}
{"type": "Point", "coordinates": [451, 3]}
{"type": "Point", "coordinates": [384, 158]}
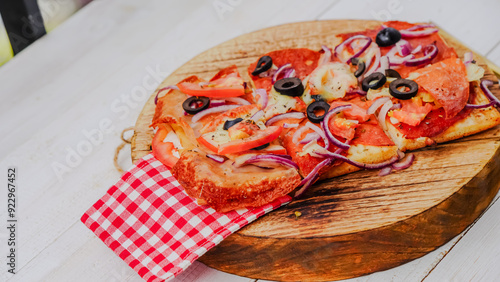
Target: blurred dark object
{"type": "Point", "coordinates": [23, 22]}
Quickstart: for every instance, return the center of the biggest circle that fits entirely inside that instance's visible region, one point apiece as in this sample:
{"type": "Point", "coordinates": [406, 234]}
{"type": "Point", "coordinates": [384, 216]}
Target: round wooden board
{"type": "Point", "coordinates": [359, 223]}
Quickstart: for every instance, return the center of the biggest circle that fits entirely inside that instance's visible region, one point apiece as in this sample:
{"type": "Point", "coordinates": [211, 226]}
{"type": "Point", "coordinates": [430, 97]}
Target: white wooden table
{"type": "Point", "coordinates": [95, 72]}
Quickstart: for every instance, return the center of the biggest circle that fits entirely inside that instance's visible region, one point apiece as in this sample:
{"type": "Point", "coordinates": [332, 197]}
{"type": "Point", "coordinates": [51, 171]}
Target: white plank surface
{"type": "Point", "coordinates": [477, 251]}
{"type": "Point", "coordinates": [95, 67]}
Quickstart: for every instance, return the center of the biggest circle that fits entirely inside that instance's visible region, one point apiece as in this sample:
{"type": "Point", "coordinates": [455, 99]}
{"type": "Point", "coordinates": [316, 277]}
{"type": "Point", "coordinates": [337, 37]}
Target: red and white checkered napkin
{"type": "Point", "coordinates": [153, 225]}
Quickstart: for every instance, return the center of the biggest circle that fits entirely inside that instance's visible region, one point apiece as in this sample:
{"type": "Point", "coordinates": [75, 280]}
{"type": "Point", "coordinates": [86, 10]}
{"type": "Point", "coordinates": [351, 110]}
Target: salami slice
{"type": "Point", "coordinates": [447, 82]}
{"type": "Point", "coordinates": [303, 61]}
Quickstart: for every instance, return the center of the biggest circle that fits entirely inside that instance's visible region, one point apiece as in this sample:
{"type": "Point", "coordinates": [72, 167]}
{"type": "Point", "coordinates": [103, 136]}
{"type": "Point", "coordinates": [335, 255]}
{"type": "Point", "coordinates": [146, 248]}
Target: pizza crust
{"type": "Point", "coordinates": [364, 154]}
{"type": "Point", "coordinates": [225, 187]}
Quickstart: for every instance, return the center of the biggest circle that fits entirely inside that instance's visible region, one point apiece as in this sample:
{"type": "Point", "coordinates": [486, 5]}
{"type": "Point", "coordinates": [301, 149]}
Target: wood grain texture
{"type": "Point", "coordinates": [356, 224]}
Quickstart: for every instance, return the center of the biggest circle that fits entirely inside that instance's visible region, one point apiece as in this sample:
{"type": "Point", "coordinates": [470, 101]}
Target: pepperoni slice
{"type": "Point", "coordinates": [303, 60]}
{"type": "Point", "coordinates": [447, 82]}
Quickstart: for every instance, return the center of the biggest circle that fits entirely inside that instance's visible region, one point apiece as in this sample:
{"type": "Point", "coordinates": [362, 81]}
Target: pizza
{"type": "Point", "coordinates": [306, 115]}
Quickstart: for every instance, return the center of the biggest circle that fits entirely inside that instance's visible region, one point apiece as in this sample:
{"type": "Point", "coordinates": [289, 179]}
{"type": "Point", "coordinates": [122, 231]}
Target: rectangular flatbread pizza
{"type": "Point", "coordinates": [307, 115]}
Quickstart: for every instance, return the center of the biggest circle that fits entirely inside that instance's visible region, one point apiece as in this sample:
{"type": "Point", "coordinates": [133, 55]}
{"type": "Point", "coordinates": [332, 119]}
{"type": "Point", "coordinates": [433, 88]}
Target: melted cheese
{"type": "Point", "coordinates": [331, 80]}
{"type": "Point", "coordinates": [278, 104]}
{"type": "Point", "coordinates": [310, 148]}
{"type": "Point", "coordinates": [373, 94]}
{"type": "Point", "coordinates": [474, 72]}
{"type": "Point", "coordinates": [220, 136]}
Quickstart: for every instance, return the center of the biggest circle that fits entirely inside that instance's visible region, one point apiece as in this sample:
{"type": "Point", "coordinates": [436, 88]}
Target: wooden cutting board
{"type": "Point", "coordinates": [359, 223]}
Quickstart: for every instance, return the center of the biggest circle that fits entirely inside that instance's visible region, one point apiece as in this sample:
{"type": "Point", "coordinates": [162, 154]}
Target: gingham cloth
{"type": "Point", "coordinates": [155, 227]}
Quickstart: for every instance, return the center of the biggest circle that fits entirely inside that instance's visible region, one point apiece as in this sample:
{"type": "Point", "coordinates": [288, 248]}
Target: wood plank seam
{"type": "Point", "coordinates": [493, 48]}
{"type": "Point", "coordinates": [327, 9]}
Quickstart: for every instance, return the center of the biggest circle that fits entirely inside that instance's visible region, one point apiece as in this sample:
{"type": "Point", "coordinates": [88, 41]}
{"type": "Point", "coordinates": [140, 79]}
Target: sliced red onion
{"type": "Point", "coordinates": [420, 26]}
{"type": "Point", "coordinates": [394, 120]}
{"type": "Point", "coordinates": [326, 129]}
{"type": "Point", "coordinates": [338, 50]}
{"type": "Point", "coordinates": [416, 50]}
{"type": "Point", "coordinates": [430, 51]}
{"type": "Point", "coordinates": [472, 106]}
{"type": "Point", "coordinates": [327, 56]}
{"type": "Point", "coordinates": [280, 69]}
{"type": "Point", "coordinates": [484, 86]}
{"type": "Point", "coordinates": [263, 100]}
{"type": "Point", "coordinates": [268, 73]}
{"type": "Point", "coordinates": [283, 156]}
{"type": "Point", "coordinates": [271, 159]}
{"type": "Point", "coordinates": [375, 64]}
{"type": "Point", "coordinates": [208, 111]}
{"type": "Point", "coordinates": [237, 100]}
{"type": "Point", "coordinates": [311, 177]}
{"type": "Point", "coordinates": [290, 73]}
{"type": "Point", "coordinates": [321, 133]}
{"type": "Point", "coordinates": [329, 154]}
{"type": "Point", "coordinates": [367, 64]}
{"type": "Point", "coordinates": [357, 91]}
{"type": "Point", "coordinates": [385, 171]}
{"type": "Point", "coordinates": [429, 48]}
{"type": "Point", "coordinates": [313, 136]}
{"type": "Point", "coordinates": [376, 104]}
{"type": "Point", "coordinates": [397, 61]}
{"type": "Point", "coordinates": [406, 163]}
{"type": "Point", "coordinates": [294, 115]}
{"type": "Point", "coordinates": [258, 115]}
{"type": "Point", "coordinates": [384, 64]}
{"type": "Point", "coordinates": [298, 133]}
{"type": "Point", "coordinates": [216, 103]}
{"type": "Point", "coordinates": [404, 47]}
{"type": "Point", "coordinates": [412, 32]}
{"type": "Point", "coordinates": [383, 113]}
{"type": "Point", "coordinates": [468, 57]}
{"type": "Point", "coordinates": [400, 154]}
{"type": "Point", "coordinates": [163, 89]}
{"type": "Point", "coordinates": [216, 158]}
{"type": "Point", "coordinates": [290, 125]}
{"type": "Point", "coordinates": [395, 107]}
{"type": "Point", "coordinates": [392, 53]}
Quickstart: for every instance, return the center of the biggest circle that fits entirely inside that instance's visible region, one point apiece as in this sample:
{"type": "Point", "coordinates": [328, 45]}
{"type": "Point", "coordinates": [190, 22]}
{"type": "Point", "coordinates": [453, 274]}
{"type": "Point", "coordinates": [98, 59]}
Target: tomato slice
{"type": "Point", "coordinates": [272, 149]}
{"type": "Point", "coordinates": [357, 110]}
{"type": "Point", "coordinates": [208, 143]}
{"type": "Point", "coordinates": [342, 127]}
{"type": "Point", "coordinates": [258, 139]}
{"type": "Point", "coordinates": [412, 111]}
{"type": "Point", "coordinates": [231, 114]}
{"type": "Point", "coordinates": [163, 151]}
{"type": "Point", "coordinates": [226, 83]}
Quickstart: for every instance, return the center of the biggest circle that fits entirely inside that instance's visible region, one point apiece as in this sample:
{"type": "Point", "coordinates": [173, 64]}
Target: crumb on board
{"type": "Point", "coordinates": [297, 214]}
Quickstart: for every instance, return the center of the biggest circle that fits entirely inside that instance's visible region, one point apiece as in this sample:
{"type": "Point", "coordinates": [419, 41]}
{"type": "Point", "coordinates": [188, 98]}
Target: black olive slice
{"type": "Point", "coordinates": [291, 86]}
{"type": "Point", "coordinates": [261, 147]}
{"type": "Point", "coordinates": [361, 67]}
{"type": "Point", "coordinates": [314, 107]}
{"type": "Point", "coordinates": [373, 81]}
{"type": "Point", "coordinates": [387, 37]}
{"type": "Point", "coordinates": [403, 95]}
{"type": "Point", "coordinates": [263, 64]}
{"type": "Point", "coordinates": [230, 123]}
{"type": "Point", "coordinates": [392, 73]}
{"type": "Point", "coordinates": [193, 105]}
